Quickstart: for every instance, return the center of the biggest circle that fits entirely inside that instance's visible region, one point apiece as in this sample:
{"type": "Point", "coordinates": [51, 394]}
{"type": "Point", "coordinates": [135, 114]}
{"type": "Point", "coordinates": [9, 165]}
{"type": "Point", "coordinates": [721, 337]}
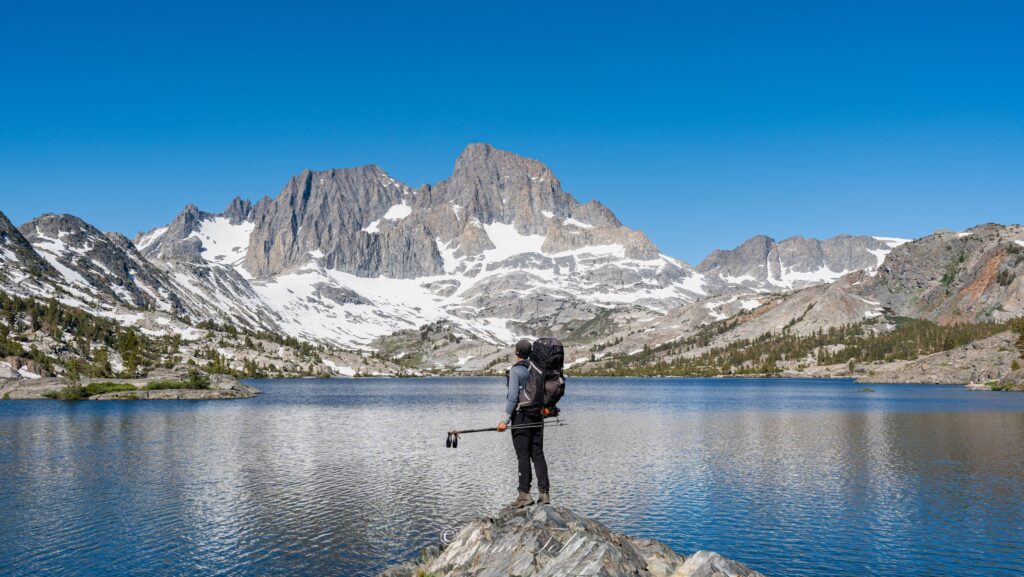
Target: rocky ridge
{"type": "Point", "coordinates": [549, 541]}
{"type": "Point", "coordinates": [443, 276]}
{"type": "Point", "coordinates": [761, 264]}
{"type": "Point", "coordinates": [348, 256]}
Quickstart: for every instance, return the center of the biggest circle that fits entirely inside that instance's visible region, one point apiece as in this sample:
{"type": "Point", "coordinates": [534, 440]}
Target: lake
{"type": "Point", "coordinates": [345, 477]}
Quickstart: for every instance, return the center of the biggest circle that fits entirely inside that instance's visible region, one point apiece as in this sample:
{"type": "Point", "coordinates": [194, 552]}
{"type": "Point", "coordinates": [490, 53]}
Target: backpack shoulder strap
{"type": "Point", "coordinates": [508, 371]}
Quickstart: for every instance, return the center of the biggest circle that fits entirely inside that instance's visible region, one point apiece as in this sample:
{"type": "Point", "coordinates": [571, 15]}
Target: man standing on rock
{"type": "Point", "coordinates": [528, 441]}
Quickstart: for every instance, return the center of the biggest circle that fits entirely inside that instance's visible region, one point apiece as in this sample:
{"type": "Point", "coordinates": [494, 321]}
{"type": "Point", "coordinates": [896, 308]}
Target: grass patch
{"type": "Point", "coordinates": [178, 384]}
{"type": "Point", "coordinates": [105, 387]}
{"type": "Point", "coordinates": [79, 392]}
{"type": "Point", "coordinates": [68, 393]}
{"type": "Point", "coordinates": [196, 380]}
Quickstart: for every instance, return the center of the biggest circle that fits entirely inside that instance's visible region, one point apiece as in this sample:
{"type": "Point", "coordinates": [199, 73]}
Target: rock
{"type": "Point", "coordinates": [29, 389]}
{"type": "Point", "coordinates": [175, 395]}
{"type": "Point", "coordinates": [221, 387]}
{"type": "Point", "coordinates": [8, 372]}
{"type": "Point", "coordinates": [973, 276]}
{"type": "Point", "coordinates": [797, 262]}
{"type": "Point", "coordinates": [977, 387]}
{"type": "Point", "coordinates": [709, 564]}
{"type": "Point", "coordinates": [548, 541]}
{"type": "Point", "coordinates": [1013, 380]}
{"type": "Point", "coordinates": [980, 361]}
{"type": "Point", "coordinates": [105, 265]}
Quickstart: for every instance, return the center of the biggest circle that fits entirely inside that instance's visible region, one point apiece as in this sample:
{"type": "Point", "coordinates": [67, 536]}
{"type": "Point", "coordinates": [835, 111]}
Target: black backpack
{"type": "Point", "coordinates": [546, 383]}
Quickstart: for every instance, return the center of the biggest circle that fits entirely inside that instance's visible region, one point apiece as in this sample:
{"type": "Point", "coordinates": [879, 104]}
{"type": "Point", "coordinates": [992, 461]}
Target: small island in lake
{"type": "Point", "coordinates": [193, 386]}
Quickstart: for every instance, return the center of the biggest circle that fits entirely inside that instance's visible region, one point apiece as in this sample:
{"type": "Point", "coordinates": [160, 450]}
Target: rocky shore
{"type": "Point", "coordinates": [549, 541]}
{"type": "Point", "coordinates": [219, 387]}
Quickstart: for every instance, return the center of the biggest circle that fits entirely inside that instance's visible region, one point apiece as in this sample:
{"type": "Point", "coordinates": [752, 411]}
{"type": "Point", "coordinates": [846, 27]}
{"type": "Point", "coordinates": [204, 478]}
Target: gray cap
{"type": "Point", "coordinates": [523, 348]}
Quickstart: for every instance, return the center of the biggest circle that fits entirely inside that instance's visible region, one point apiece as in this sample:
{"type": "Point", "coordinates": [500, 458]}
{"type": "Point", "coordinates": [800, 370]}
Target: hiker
{"type": "Point", "coordinates": [529, 441]}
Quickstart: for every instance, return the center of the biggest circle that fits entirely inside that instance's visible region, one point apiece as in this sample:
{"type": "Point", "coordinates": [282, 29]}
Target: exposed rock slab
{"type": "Point", "coordinates": [175, 395]}
{"type": "Point", "coordinates": [221, 387]}
{"type": "Point", "coordinates": [548, 541]}
{"type": "Point", "coordinates": [977, 362]}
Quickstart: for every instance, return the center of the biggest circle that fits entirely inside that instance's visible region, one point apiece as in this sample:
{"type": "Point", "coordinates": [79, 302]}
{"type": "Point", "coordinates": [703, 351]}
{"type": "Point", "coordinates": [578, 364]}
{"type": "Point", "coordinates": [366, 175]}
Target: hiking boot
{"type": "Point", "coordinates": [544, 498]}
{"type": "Point", "coordinates": [523, 500]}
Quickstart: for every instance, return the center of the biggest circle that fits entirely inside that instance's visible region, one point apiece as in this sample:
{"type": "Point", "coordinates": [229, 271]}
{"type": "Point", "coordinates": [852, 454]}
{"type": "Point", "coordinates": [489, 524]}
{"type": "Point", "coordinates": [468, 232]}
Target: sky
{"type": "Point", "coordinates": [699, 123]}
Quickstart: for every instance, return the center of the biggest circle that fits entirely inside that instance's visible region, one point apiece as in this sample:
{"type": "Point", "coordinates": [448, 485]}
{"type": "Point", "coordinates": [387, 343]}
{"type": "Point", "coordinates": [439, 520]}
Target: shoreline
{"type": "Point", "coordinates": [219, 387]}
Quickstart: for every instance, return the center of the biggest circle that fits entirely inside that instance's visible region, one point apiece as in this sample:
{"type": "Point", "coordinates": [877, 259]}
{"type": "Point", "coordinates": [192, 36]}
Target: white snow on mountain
{"type": "Point", "coordinates": [892, 241]}
{"type": "Point", "coordinates": [396, 212]}
{"type": "Point", "coordinates": [149, 237]}
{"type": "Point", "coordinates": [380, 306]}
{"type": "Point", "coordinates": [223, 242]}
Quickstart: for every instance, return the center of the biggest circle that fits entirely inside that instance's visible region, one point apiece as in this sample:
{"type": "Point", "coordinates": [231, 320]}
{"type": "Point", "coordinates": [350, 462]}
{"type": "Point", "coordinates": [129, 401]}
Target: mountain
{"type": "Point", "coordinates": [497, 250]}
{"type": "Point", "coordinates": [947, 279]}
{"type": "Point", "coordinates": [447, 275]}
{"type": "Point", "coordinates": [203, 252]}
{"type": "Point", "coordinates": [761, 264]}
{"type": "Point", "coordinates": [100, 268]}
{"type": "Point", "coordinates": [24, 272]}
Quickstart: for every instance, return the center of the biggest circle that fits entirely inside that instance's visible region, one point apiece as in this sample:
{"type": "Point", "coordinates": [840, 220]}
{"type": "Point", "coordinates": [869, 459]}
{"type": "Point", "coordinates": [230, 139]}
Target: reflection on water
{"type": "Point", "coordinates": [346, 477]}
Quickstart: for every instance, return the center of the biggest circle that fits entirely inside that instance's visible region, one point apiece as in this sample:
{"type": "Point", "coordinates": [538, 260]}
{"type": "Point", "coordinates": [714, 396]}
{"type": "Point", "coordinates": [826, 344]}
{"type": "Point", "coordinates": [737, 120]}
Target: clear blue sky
{"type": "Point", "coordinates": [701, 123]}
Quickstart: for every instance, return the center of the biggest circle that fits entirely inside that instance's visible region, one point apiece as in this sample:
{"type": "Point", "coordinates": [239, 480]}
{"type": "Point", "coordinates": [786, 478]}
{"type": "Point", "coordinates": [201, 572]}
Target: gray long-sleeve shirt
{"type": "Point", "coordinates": [517, 376]}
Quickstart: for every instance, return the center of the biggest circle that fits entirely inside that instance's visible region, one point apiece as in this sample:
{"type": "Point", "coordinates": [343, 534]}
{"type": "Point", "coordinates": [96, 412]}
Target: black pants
{"type": "Point", "coordinates": [529, 445]}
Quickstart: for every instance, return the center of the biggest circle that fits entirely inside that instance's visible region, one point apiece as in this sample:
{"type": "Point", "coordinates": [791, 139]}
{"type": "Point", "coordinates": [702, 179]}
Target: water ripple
{"type": "Point", "coordinates": [346, 477]}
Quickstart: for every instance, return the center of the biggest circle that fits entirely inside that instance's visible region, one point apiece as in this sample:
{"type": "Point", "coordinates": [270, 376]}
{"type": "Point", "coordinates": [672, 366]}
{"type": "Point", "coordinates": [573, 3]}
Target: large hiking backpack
{"type": "Point", "coordinates": [546, 383]}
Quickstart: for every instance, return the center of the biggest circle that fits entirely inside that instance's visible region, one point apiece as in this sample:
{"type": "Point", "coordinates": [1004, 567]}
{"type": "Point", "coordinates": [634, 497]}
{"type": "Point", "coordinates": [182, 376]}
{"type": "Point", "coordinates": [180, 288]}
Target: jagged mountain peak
{"type": "Point", "coordinates": [761, 263]}
{"type": "Point", "coordinates": [98, 270]}
{"type": "Point", "coordinates": [478, 156]}
{"type": "Point", "coordinates": [20, 261]}
{"type": "Point", "coordinates": [239, 210]}
{"type": "Point", "coordinates": [361, 221]}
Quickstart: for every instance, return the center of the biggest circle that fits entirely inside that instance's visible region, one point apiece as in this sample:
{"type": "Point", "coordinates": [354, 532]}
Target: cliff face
{"type": "Point", "coordinates": [366, 223]}
{"type": "Point", "coordinates": [765, 265]}
{"type": "Point", "coordinates": [548, 541]}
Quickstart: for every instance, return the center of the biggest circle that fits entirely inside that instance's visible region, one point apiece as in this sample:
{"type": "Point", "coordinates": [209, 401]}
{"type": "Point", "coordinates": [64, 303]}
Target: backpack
{"type": "Point", "coordinates": [546, 383]}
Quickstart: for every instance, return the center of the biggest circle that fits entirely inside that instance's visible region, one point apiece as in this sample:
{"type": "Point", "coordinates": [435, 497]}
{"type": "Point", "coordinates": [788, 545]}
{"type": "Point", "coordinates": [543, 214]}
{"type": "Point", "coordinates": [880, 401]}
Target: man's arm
{"type": "Point", "coordinates": [517, 376]}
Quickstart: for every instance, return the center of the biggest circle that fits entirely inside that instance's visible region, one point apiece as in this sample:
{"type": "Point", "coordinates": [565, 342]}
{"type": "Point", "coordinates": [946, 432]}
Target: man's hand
{"type": "Point", "coordinates": [502, 425]}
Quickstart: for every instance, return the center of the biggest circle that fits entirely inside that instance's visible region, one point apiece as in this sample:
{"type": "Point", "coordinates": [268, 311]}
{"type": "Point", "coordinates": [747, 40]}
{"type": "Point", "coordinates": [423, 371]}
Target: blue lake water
{"type": "Point", "coordinates": [344, 477]}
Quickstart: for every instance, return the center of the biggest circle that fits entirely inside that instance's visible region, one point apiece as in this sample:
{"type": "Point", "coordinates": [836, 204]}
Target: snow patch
{"type": "Point", "coordinates": [880, 254]}
{"type": "Point", "coordinates": [451, 263]}
{"type": "Point", "coordinates": [398, 212]}
{"type": "Point", "coordinates": [337, 369]}
{"type": "Point", "coordinates": [508, 242]}
{"type": "Point", "coordinates": [223, 242]}
{"type": "Point", "coordinates": [750, 304]}
{"type": "Point", "coordinates": [892, 241]}
{"type": "Point", "coordinates": [151, 236]}
{"type": "Point", "coordinates": [576, 223]}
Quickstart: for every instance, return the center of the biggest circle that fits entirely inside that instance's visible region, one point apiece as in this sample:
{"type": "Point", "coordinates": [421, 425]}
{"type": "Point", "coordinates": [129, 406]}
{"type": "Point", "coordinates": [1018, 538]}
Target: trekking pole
{"type": "Point", "coordinates": [452, 441]}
